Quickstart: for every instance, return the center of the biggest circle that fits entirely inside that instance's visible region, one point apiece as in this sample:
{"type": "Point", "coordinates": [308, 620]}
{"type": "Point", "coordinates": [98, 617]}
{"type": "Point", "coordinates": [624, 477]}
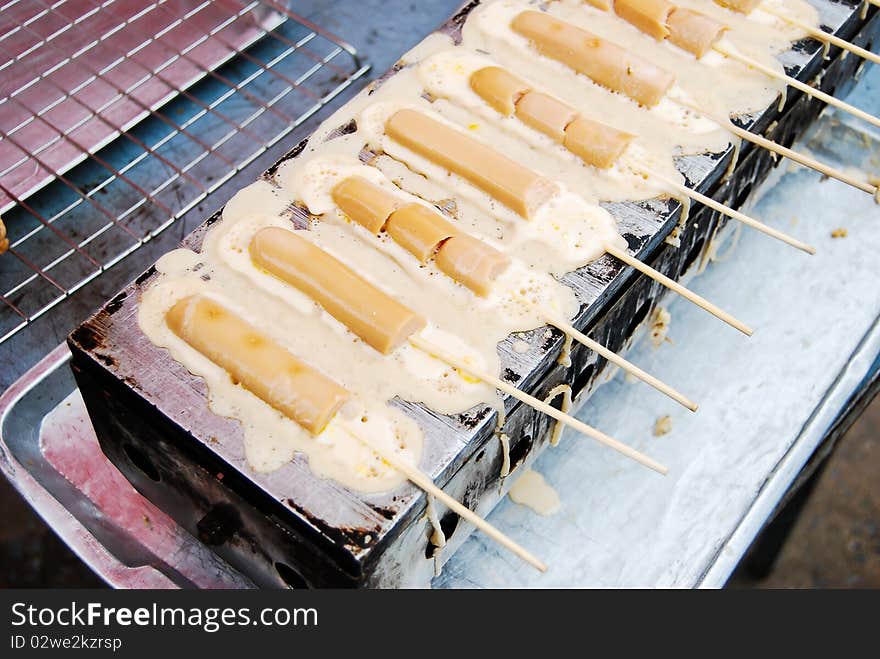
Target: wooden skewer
{"type": "Point", "coordinates": [821, 35]}
{"type": "Point", "coordinates": [541, 406]}
{"type": "Point", "coordinates": [308, 268]}
{"type": "Point", "coordinates": [560, 323]}
{"type": "Point", "coordinates": [678, 288]}
{"type": "Point", "coordinates": [797, 84]}
{"type": "Point", "coordinates": [804, 160]}
{"type": "Point", "coordinates": [617, 360]}
{"type": "Point", "coordinates": [422, 481]}
{"type": "Point", "coordinates": [735, 214]}
{"type": "Point", "coordinates": [800, 158]}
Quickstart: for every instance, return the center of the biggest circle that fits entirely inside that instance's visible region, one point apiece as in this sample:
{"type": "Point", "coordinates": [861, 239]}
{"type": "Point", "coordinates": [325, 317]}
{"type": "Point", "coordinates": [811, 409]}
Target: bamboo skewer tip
{"type": "Point", "coordinates": [820, 35]}
{"type": "Point", "coordinates": [422, 481]}
{"type": "Point", "coordinates": [785, 152]}
{"type": "Point", "coordinates": [673, 285]}
{"type": "Point", "coordinates": [619, 361]}
{"type": "Point", "coordinates": [539, 405]}
{"type": "Point", "coordinates": [732, 213]}
{"type": "Point", "coordinates": [797, 84]}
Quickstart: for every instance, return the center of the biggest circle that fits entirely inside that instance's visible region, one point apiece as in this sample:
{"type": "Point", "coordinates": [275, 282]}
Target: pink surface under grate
{"type": "Point", "coordinates": [75, 74]}
{"type": "Point", "coordinates": [77, 77]}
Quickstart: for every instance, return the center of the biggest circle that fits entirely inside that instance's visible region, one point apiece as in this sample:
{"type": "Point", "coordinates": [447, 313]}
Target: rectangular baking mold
{"type": "Point", "coordinates": [290, 528]}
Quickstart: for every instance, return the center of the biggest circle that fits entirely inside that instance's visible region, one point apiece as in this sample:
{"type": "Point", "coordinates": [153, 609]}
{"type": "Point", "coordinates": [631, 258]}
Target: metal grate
{"type": "Point", "coordinates": [118, 117]}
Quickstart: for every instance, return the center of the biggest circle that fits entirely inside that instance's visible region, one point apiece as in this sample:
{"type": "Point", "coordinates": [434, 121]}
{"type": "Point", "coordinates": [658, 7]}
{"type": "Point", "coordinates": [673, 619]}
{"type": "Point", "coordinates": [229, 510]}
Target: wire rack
{"type": "Point", "coordinates": [119, 117]}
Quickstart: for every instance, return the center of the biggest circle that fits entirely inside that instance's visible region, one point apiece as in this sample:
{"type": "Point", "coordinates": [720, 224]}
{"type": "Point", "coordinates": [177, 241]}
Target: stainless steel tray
{"type": "Point", "coordinates": [50, 453]}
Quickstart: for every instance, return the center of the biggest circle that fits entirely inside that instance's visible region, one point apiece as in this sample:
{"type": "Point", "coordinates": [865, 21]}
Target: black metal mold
{"type": "Point", "coordinates": [291, 528]}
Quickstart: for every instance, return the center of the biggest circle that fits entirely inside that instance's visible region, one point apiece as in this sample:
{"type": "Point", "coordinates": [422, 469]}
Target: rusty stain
{"type": "Point", "coordinates": [384, 511]}
{"type": "Point", "coordinates": [87, 337]}
{"type": "Point", "coordinates": [107, 360]}
{"type": "Point", "coordinates": [472, 421]}
{"type": "Point", "coordinates": [149, 272]}
{"type": "Point", "coordinates": [116, 303]}
{"type": "Point", "coordinates": [551, 338]}
{"type": "Point", "coordinates": [348, 536]}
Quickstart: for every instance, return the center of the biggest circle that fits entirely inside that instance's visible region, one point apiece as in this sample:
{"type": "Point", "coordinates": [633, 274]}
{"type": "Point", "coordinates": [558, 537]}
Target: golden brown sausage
{"type": "Point", "coordinates": [257, 362]}
{"type": "Point", "coordinates": [419, 230]}
{"type": "Point", "coordinates": [742, 6]}
{"type": "Point", "coordinates": [602, 61]}
{"type": "Point", "coordinates": [515, 186]}
{"type": "Point", "coordinates": [422, 231]}
{"type": "Point", "coordinates": [595, 143]}
{"type": "Point", "coordinates": [694, 32]}
{"type": "Point", "coordinates": [545, 114]}
{"type": "Point", "coordinates": [377, 318]}
{"type": "Point", "coordinates": [499, 88]}
{"type": "Point", "coordinates": [365, 203]}
{"type": "Point", "coordinates": [414, 227]}
{"type": "Point", "coordinates": [604, 5]}
{"type": "Point", "coordinates": [649, 16]}
{"type": "Point", "coordinates": [4, 241]}
{"type": "Point", "coordinates": [471, 262]}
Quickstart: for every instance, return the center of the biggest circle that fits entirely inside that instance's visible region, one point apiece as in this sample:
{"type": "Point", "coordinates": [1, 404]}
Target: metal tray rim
{"type": "Point", "coordinates": [62, 521]}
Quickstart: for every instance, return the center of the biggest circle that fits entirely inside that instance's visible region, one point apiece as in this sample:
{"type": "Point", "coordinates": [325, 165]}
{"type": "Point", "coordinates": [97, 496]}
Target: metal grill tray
{"type": "Point", "coordinates": [196, 92]}
{"type": "Point", "coordinates": [376, 534]}
{"type": "Point", "coordinates": [50, 452]}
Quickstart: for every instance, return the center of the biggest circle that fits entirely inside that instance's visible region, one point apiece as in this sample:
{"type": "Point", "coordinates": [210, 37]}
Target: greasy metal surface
{"type": "Point", "coordinates": [112, 344]}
